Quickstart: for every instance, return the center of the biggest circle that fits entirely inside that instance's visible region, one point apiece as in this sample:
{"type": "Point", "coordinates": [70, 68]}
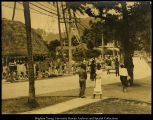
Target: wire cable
{"type": "Point", "coordinates": [46, 6]}
{"type": "Point", "coordinates": [43, 9]}
{"type": "Point", "coordinates": [39, 11]}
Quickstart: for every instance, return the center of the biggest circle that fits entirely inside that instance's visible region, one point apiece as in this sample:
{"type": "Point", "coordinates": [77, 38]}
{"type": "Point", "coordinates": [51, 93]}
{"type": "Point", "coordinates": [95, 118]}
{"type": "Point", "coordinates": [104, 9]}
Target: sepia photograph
{"type": "Point", "coordinates": [78, 57]}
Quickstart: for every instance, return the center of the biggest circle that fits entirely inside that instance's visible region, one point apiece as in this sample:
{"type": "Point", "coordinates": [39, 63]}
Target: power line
{"type": "Point", "coordinates": [43, 9]}
{"type": "Point", "coordinates": [46, 7]}
{"type": "Point", "coordinates": [38, 11]}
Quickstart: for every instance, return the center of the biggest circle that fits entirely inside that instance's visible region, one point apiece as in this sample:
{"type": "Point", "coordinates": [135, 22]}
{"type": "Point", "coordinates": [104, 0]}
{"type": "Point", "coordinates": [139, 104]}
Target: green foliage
{"type": "Point", "coordinates": [93, 53]}
{"type": "Point", "coordinates": [137, 25]}
{"type": "Point", "coordinates": [90, 45]}
{"type": "Point", "coordinates": [140, 25]}
{"type": "Point", "coordinates": [53, 45]}
{"type": "Point", "coordinates": [78, 55]}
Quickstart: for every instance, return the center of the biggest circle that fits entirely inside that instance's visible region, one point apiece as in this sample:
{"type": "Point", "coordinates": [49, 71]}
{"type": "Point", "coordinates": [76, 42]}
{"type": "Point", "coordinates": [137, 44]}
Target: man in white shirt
{"type": "Point", "coordinates": [123, 77]}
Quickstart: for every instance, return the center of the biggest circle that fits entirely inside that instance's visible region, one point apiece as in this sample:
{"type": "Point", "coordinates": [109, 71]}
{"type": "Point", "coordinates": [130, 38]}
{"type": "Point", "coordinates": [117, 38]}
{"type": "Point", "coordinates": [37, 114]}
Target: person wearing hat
{"type": "Point", "coordinates": [123, 77]}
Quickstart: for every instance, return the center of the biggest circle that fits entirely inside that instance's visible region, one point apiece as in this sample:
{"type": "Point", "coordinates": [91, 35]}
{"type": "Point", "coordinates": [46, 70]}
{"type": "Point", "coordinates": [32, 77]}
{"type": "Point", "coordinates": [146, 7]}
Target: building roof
{"type": "Point", "coordinates": [14, 40]}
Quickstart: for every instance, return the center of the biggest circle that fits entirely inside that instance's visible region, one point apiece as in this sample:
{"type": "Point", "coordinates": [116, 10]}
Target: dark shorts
{"type": "Point", "coordinates": [124, 81]}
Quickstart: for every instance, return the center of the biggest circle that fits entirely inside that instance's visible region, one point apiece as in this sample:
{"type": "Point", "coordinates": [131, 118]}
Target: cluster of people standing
{"type": "Point", "coordinates": [95, 73]}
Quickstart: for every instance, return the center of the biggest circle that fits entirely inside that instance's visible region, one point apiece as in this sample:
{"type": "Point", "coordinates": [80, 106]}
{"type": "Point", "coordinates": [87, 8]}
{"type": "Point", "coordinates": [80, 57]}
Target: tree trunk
{"type": "Point", "coordinates": [31, 99]}
{"type": "Point", "coordinates": [126, 45]}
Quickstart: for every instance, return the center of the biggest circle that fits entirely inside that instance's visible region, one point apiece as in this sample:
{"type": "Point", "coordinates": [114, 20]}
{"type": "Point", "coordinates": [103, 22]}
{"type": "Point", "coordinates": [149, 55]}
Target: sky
{"type": "Point", "coordinates": [37, 20]}
{"type": "Point", "coordinates": [49, 23]}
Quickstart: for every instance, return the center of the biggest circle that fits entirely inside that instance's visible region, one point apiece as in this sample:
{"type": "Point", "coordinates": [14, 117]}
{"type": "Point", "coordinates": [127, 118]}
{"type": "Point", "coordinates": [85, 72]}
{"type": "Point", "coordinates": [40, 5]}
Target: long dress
{"type": "Point", "coordinates": [98, 83]}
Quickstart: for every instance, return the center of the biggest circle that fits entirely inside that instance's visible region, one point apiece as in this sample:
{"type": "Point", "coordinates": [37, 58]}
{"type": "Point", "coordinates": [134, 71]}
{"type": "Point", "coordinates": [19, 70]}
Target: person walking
{"type": "Point", "coordinates": [82, 81]}
{"type": "Point", "coordinates": [123, 77]}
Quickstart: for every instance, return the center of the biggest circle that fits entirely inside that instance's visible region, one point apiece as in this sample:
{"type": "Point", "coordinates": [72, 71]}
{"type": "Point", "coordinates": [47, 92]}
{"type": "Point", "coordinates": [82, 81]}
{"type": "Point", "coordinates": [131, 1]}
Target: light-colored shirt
{"type": "Point", "coordinates": [123, 72]}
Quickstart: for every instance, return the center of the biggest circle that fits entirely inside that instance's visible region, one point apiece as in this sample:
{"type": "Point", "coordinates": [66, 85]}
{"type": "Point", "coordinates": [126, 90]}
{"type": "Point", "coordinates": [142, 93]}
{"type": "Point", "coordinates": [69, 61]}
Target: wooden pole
{"type": "Point", "coordinates": [59, 26]}
{"type": "Point", "coordinates": [79, 34]}
{"type": "Point", "coordinates": [31, 98]}
{"type": "Point", "coordinates": [14, 11]}
{"type": "Point", "coordinates": [65, 21]}
{"type": "Point", "coordinates": [70, 42]}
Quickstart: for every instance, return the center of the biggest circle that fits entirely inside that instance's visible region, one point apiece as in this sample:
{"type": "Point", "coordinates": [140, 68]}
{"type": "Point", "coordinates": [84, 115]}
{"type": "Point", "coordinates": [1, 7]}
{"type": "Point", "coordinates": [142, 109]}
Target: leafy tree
{"type": "Point", "coordinates": [140, 25]}
{"type": "Point", "coordinates": [93, 53]}
{"type": "Point", "coordinates": [119, 25]}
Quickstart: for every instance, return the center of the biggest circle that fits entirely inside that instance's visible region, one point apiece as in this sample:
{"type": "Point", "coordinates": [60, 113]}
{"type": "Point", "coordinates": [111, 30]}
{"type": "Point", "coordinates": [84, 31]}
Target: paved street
{"type": "Point", "coordinates": [14, 90]}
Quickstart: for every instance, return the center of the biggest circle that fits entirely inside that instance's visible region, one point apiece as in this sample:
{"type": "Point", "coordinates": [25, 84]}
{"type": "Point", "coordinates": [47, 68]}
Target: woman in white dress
{"type": "Point", "coordinates": [98, 82]}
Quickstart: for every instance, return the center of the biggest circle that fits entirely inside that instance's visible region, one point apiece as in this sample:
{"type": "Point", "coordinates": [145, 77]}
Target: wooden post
{"type": "Point", "coordinates": [70, 42]}
{"type": "Point", "coordinates": [59, 26]}
{"type": "Point", "coordinates": [65, 21]}
{"type": "Point", "coordinates": [14, 11]}
{"type": "Point", "coordinates": [31, 98]}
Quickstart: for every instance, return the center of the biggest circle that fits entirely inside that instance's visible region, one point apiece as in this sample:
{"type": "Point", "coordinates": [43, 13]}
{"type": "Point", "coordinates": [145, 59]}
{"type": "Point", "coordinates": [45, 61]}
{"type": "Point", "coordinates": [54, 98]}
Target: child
{"type": "Point", "coordinates": [123, 77]}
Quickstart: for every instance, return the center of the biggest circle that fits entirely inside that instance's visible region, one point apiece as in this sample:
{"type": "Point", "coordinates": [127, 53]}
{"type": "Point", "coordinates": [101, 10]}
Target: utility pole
{"type": "Point", "coordinates": [61, 41]}
{"type": "Point", "coordinates": [79, 33]}
{"type": "Point", "coordinates": [59, 26]}
{"type": "Point", "coordinates": [69, 22]}
{"type": "Point", "coordinates": [31, 99]}
{"type": "Point", "coordinates": [14, 11]}
{"type": "Point", "coordinates": [70, 42]}
{"type": "Point", "coordinates": [65, 21]}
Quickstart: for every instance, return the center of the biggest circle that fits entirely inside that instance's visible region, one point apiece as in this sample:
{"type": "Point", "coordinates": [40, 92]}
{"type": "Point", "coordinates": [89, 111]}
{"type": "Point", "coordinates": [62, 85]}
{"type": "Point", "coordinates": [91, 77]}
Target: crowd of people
{"type": "Point", "coordinates": [17, 68]}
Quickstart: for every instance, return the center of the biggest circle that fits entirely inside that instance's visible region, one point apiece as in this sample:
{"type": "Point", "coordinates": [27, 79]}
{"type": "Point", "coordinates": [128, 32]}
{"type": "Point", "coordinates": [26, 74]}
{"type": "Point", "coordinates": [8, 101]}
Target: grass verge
{"type": "Point", "coordinates": [113, 106]}
{"type": "Point", "coordinates": [20, 104]}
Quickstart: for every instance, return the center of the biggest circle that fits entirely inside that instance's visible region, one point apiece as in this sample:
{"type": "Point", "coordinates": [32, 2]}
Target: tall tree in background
{"type": "Point", "coordinates": [140, 25]}
{"type": "Point", "coordinates": [125, 42]}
